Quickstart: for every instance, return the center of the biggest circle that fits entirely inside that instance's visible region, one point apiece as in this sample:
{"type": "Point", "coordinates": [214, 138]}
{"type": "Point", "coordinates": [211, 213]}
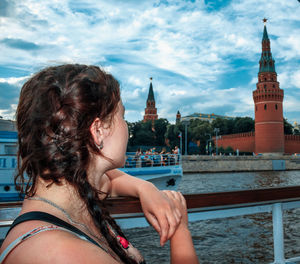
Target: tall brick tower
{"type": "Point", "coordinates": [150, 110]}
{"type": "Point", "coordinates": [268, 97]}
{"type": "Point", "coordinates": [178, 117]}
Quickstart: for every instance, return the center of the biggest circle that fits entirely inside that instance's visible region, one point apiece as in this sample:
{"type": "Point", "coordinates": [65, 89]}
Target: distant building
{"type": "Point", "coordinates": [204, 117]}
{"type": "Point", "coordinates": [150, 110]}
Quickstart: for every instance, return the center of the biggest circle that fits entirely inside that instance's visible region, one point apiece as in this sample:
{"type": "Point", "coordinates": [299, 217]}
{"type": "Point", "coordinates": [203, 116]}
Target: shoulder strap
{"type": "Point", "coordinates": [30, 234]}
{"type": "Point", "coordinates": [42, 216]}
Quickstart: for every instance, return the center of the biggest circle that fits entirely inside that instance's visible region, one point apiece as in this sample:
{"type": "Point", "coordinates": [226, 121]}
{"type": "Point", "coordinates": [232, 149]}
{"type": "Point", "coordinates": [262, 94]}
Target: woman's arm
{"type": "Point", "coordinates": [159, 210]}
{"type": "Point", "coordinates": [181, 243]}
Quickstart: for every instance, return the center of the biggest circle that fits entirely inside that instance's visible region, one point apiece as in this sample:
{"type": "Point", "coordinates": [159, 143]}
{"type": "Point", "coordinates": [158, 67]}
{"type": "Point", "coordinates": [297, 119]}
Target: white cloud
{"type": "Point", "coordinates": [183, 46]}
{"type": "Point", "coordinates": [295, 79]}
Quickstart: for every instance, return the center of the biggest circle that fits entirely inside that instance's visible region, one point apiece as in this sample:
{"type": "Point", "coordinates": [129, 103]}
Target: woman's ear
{"type": "Point", "coordinates": [97, 131]}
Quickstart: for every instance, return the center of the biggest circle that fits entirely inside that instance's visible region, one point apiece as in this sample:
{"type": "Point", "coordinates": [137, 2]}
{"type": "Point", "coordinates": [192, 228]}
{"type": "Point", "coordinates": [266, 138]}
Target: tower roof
{"type": "Point", "coordinates": [151, 93]}
{"type": "Point", "coordinates": [266, 63]}
{"type": "Point", "coordinates": [265, 35]}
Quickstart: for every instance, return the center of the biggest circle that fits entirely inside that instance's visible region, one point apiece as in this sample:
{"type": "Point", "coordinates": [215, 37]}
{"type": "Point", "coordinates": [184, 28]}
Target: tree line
{"type": "Point", "coordinates": [161, 133]}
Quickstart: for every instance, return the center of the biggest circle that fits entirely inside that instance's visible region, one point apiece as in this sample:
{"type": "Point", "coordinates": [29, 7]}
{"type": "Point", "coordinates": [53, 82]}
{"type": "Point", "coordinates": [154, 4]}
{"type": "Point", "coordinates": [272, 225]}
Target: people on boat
{"type": "Point", "coordinates": [72, 138]}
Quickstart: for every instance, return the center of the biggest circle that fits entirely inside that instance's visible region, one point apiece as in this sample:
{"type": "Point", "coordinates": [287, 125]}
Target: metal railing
{"type": "Point", "coordinates": [152, 160]}
{"type": "Point", "coordinates": [210, 206]}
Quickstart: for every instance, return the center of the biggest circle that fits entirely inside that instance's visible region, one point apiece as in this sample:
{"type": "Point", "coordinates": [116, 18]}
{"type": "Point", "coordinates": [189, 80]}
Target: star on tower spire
{"type": "Point", "coordinates": [265, 21]}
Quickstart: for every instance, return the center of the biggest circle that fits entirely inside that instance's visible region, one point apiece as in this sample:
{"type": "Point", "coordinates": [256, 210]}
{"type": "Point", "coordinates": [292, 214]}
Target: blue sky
{"type": "Point", "coordinates": [203, 54]}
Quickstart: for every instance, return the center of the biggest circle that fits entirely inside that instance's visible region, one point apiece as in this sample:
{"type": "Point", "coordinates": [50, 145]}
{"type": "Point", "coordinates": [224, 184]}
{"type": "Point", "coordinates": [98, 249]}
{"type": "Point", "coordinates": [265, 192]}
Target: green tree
{"type": "Point", "coordinates": [288, 128]}
{"type": "Point", "coordinates": [243, 124]}
{"type": "Point", "coordinates": [199, 133]}
{"type": "Point", "coordinates": [160, 129]}
{"type": "Point", "coordinates": [222, 124]}
{"type": "Point", "coordinates": [229, 150]}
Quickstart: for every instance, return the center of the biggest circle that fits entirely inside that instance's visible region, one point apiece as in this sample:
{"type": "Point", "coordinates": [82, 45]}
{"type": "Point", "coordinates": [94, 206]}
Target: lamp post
{"type": "Point", "coordinates": [208, 142]}
{"type": "Point", "coordinates": [186, 123]}
{"type": "Point", "coordinates": [216, 130]}
{"type": "Point", "coordinates": [180, 135]}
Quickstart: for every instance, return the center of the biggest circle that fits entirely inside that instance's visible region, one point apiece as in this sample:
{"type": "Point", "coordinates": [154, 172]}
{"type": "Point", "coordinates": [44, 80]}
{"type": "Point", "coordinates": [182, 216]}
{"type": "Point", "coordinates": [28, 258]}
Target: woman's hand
{"type": "Point", "coordinates": [161, 211]}
{"type": "Point", "coordinates": [180, 203]}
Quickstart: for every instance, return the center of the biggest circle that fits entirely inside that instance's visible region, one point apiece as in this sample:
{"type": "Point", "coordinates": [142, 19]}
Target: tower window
{"type": "Point", "coordinates": [273, 85]}
{"type": "Point", "coordinates": [265, 79]}
{"type": "Point", "coordinates": [256, 108]}
{"type": "Point", "coordinates": [265, 107]}
{"type": "Point", "coordinates": [265, 86]}
{"type": "Point", "coordinates": [276, 106]}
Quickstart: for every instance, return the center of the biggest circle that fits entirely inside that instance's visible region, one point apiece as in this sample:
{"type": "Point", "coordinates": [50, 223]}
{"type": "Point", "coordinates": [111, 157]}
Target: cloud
{"type": "Point", "coordinates": [20, 44]}
{"type": "Point", "coordinates": [203, 54]}
{"type": "Point", "coordinates": [6, 7]}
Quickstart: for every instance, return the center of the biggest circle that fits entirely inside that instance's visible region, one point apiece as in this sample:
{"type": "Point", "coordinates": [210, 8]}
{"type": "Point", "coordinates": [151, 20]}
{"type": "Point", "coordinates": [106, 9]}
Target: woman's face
{"type": "Point", "coordinates": [115, 144]}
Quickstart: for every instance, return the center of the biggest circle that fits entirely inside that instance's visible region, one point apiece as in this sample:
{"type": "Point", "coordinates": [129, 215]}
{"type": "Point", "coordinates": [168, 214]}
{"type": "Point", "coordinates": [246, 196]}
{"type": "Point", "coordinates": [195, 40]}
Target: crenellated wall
{"type": "Point", "coordinates": [244, 142]}
{"type": "Point", "coordinates": [292, 144]}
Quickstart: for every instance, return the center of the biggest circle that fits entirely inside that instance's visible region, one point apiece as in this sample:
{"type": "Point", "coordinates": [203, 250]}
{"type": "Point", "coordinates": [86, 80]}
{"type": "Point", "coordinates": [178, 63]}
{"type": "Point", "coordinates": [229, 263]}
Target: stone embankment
{"type": "Point", "coordinates": [196, 163]}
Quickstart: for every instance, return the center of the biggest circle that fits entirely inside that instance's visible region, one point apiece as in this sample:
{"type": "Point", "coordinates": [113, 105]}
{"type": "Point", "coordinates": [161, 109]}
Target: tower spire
{"type": "Point", "coordinates": [266, 63]}
{"type": "Point", "coordinates": [265, 35]}
{"type": "Point", "coordinates": [150, 110]}
{"type": "Point", "coordinates": [150, 93]}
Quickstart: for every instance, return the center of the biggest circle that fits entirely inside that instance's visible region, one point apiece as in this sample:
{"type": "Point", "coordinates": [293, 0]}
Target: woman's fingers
{"type": "Point", "coordinates": [164, 227]}
{"type": "Point", "coordinates": [153, 221]}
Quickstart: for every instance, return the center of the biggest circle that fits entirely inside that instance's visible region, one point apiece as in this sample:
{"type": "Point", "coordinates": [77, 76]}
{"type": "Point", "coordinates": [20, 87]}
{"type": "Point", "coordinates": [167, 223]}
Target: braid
{"type": "Point", "coordinates": [102, 219]}
{"type": "Point", "coordinates": [56, 109]}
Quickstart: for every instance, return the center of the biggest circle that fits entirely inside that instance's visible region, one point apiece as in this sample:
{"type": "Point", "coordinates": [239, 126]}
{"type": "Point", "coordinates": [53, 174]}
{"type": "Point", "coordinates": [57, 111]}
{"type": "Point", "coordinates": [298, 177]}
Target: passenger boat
{"type": "Point", "coordinates": [165, 171]}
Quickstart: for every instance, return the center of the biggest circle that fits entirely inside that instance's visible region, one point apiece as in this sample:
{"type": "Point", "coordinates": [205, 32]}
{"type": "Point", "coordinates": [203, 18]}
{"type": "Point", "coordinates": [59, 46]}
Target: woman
{"type": "Point", "coordinates": [72, 137]}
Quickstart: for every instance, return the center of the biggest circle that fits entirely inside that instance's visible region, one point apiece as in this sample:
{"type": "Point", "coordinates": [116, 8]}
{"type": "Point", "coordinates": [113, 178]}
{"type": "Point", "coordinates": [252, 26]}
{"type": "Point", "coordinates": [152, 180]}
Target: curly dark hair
{"type": "Point", "coordinates": [56, 109]}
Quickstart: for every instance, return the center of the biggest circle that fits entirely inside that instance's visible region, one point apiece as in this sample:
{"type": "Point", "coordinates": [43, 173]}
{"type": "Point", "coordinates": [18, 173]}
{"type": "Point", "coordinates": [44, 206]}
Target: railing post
{"type": "Point", "coordinates": [278, 234]}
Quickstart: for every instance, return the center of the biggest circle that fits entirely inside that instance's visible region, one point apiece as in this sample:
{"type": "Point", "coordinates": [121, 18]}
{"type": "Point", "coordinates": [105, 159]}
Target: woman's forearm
{"type": "Point", "coordinates": [123, 184]}
{"type": "Point", "coordinates": [182, 248]}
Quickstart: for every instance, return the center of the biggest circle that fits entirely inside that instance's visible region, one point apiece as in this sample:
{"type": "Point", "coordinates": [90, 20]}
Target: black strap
{"type": "Point", "coordinates": [42, 216]}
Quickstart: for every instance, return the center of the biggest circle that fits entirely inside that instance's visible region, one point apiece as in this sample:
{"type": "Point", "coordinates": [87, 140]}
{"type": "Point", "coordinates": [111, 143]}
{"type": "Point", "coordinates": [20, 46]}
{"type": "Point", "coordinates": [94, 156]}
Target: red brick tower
{"type": "Point", "coordinates": [150, 110]}
{"type": "Point", "coordinates": [268, 97]}
{"type": "Point", "coordinates": [178, 117]}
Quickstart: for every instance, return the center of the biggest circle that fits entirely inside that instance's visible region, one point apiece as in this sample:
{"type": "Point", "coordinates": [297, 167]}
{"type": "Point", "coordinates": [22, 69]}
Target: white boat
{"type": "Point", "coordinates": [165, 171]}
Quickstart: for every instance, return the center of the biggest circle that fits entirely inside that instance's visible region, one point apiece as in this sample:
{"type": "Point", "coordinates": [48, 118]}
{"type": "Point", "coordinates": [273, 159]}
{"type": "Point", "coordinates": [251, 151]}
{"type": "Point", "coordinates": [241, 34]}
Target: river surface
{"type": "Point", "coordinates": [241, 239]}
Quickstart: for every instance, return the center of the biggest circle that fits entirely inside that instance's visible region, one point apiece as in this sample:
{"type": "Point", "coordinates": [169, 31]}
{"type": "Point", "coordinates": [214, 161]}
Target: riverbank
{"type": "Point", "coordinates": [198, 164]}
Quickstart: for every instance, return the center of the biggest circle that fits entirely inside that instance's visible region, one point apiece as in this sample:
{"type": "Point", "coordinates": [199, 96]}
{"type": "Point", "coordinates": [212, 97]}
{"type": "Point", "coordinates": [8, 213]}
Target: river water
{"type": "Point", "coordinates": [241, 239]}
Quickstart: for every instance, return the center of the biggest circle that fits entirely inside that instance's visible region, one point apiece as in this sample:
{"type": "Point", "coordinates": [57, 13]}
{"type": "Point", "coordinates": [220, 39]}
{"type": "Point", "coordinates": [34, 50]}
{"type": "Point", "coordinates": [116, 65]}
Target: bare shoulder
{"type": "Point", "coordinates": [58, 247]}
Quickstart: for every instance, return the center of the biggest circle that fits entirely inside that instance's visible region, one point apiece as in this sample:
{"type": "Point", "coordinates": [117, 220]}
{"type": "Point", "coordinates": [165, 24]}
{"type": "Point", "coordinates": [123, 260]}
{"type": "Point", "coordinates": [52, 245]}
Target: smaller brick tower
{"type": "Point", "coordinates": [178, 117]}
{"type": "Point", "coordinates": [150, 110]}
{"type": "Point", "coordinates": [268, 97]}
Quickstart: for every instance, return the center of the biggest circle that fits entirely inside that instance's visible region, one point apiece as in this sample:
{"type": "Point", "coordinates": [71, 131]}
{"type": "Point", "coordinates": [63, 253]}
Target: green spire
{"type": "Point", "coordinates": [151, 93]}
{"type": "Point", "coordinates": [266, 63]}
{"type": "Point", "coordinates": [265, 35]}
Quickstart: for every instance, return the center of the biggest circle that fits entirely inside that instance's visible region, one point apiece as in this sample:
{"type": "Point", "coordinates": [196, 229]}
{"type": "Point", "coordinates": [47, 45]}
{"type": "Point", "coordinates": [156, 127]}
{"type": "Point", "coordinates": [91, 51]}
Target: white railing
{"type": "Point", "coordinates": [207, 206]}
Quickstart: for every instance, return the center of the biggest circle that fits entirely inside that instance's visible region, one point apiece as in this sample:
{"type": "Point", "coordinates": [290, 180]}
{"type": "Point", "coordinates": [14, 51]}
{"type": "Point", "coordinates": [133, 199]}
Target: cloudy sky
{"type": "Point", "coordinates": [203, 55]}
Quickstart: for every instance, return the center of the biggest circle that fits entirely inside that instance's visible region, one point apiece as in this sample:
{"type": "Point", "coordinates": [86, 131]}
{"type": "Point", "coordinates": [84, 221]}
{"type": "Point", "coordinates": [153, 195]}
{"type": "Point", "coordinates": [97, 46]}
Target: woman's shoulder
{"type": "Point", "coordinates": [54, 246]}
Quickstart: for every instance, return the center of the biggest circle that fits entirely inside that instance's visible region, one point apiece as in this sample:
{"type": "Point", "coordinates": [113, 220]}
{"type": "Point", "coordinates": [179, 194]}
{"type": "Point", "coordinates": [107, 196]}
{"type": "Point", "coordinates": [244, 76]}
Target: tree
{"type": "Point", "coordinates": [222, 124]}
{"type": "Point", "coordinates": [243, 124]}
{"type": "Point", "coordinates": [288, 128]}
{"type": "Point", "coordinates": [199, 133]}
{"type": "Point", "coordinates": [160, 128]}
{"type": "Point", "coordinates": [148, 133]}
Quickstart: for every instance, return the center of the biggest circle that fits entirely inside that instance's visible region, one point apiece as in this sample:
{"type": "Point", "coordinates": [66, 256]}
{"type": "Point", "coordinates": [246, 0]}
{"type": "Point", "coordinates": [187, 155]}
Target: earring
{"type": "Point", "coordinates": [99, 146]}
